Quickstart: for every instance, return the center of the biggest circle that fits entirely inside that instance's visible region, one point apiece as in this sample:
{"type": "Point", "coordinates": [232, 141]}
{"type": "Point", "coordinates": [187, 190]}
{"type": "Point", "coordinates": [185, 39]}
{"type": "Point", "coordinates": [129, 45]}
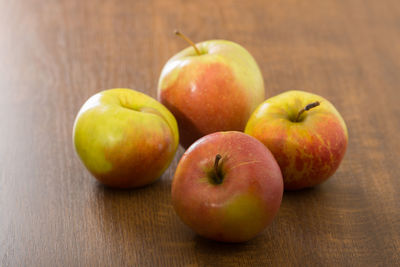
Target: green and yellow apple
{"type": "Point", "coordinates": [227, 187]}
{"type": "Point", "coordinates": [214, 89]}
{"type": "Point", "coordinates": [125, 138]}
{"type": "Point", "coordinates": [305, 133]}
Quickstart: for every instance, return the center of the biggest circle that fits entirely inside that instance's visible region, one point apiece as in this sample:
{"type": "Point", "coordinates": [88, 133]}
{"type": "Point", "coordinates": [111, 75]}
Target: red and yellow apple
{"type": "Point", "coordinates": [214, 89]}
{"type": "Point", "coordinates": [227, 187]}
{"type": "Point", "coordinates": [305, 133]}
{"type": "Point", "coordinates": [125, 138]}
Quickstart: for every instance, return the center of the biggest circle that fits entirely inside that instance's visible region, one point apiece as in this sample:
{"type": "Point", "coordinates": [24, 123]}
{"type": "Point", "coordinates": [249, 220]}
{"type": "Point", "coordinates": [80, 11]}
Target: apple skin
{"type": "Point", "coordinates": [309, 151]}
{"type": "Point", "coordinates": [246, 201]}
{"type": "Point", "coordinates": [125, 138]}
{"type": "Point", "coordinates": [215, 91]}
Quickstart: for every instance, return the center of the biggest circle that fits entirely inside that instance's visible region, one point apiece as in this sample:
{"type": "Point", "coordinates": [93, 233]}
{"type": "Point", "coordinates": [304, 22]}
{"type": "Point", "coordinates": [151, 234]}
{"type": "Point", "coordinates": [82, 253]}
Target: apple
{"type": "Point", "coordinates": [305, 133]}
{"type": "Point", "coordinates": [125, 138]}
{"type": "Point", "coordinates": [212, 86]}
{"type": "Point", "coordinates": [227, 187]}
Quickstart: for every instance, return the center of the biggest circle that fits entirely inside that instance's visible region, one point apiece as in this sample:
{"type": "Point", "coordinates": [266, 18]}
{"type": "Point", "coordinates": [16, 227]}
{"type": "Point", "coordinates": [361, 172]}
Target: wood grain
{"type": "Point", "coordinates": [55, 54]}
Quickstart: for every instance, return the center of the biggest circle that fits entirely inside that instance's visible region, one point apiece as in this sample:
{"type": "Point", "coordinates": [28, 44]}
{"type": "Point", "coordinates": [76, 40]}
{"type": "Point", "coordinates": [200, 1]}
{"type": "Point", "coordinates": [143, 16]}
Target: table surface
{"type": "Point", "coordinates": [55, 54]}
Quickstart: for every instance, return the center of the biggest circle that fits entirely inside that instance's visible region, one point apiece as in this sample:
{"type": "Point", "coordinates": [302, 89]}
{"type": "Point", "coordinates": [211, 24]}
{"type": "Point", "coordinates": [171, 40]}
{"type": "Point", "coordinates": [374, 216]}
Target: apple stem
{"type": "Point", "coordinates": [184, 37]}
{"type": "Point", "coordinates": [306, 108]}
{"type": "Point", "coordinates": [218, 177]}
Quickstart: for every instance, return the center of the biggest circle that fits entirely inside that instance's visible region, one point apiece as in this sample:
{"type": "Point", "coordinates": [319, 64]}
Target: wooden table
{"type": "Point", "coordinates": [55, 54]}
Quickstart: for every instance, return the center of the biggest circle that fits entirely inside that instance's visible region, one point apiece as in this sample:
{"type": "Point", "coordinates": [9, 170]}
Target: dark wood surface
{"type": "Point", "coordinates": [55, 54]}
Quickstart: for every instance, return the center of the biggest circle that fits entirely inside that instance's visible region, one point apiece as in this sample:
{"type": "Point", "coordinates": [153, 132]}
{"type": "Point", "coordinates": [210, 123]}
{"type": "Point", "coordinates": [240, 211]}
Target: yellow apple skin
{"type": "Point", "coordinates": [125, 138]}
{"type": "Point", "coordinates": [308, 151]}
{"type": "Point", "coordinates": [215, 91]}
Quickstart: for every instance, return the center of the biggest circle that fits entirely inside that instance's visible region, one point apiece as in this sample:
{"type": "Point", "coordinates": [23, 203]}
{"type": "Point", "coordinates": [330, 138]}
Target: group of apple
{"type": "Point", "coordinates": [242, 151]}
